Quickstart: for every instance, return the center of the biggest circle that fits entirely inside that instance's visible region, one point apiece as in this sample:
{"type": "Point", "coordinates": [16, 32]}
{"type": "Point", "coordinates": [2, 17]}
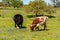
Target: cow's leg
{"type": "Point", "coordinates": [37, 26]}
{"type": "Point", "coordinates": [45, 26]}
{"type": "Point", "coordinates": [21, 25]}
{"type": "Point", "coordinates": [15, 25]}
{"type": "Point", "coordinates": [18, 26]}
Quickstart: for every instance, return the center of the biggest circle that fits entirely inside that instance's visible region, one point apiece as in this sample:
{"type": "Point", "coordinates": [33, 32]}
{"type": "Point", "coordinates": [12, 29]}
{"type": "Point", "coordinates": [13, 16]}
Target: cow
{"type": "Point", "coordinates": [42, 20]}
{"type": "Point", "coordinates": [18, 20]}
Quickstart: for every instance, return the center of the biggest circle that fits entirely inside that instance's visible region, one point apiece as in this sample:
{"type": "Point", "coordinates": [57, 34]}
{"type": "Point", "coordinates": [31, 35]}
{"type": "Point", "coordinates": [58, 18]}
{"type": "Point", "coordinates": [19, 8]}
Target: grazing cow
{"type": "Point", "coordinates": [18, 19]}
{"type": "Point", "coordinates": [38, 21]}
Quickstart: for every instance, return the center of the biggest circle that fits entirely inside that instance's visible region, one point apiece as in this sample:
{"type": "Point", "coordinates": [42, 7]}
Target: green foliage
{"type": "Point", "coordinates": [37, 7]}
{"type": "Point", "coordinates": [1, 4]}
{"type": "Point", "coordinates": [5, 3]}
{"type": "Point", "coordinates": [50, 10]}
{"type": "Point", "coordinates": [14, 3]}
{"type": "Point", "coordinates": [56, 3]}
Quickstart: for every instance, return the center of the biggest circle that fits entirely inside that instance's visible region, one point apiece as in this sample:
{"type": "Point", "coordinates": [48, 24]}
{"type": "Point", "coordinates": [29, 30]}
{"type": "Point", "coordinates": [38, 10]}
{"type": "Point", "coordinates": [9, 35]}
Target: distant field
{"type": "Point", "coordinates": [8, 32]}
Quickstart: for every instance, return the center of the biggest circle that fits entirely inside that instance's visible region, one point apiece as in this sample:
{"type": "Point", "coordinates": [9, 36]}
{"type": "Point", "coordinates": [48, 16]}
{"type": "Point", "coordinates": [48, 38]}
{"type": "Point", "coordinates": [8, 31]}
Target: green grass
{"type": "Point", "coordinates": [8, 32]}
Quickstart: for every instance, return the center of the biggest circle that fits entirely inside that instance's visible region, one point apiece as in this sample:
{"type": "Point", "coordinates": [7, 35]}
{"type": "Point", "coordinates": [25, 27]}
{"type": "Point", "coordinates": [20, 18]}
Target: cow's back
{"type": "Point", "coordinates": [41, 20]}
{"type": "Point", "coordinates": [18, 18]}
{"type": "Point", "coordinates": [35, 21]}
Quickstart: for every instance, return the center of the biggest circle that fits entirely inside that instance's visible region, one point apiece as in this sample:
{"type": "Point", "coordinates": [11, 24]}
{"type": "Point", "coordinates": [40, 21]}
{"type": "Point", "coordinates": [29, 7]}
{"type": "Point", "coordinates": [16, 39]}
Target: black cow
{"type": "Point", "coordinates": [18, 19]}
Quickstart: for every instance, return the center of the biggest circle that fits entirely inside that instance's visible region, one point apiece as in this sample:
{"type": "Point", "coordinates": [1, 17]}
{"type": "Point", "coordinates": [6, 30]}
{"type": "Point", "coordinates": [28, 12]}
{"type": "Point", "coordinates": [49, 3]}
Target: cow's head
{"type": "Point", "coordinates": [32, 27]}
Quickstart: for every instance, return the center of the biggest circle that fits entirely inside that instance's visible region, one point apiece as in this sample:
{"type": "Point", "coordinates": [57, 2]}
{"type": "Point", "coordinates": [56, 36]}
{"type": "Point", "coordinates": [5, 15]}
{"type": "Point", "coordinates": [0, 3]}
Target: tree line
{"type": "Point", "coordinates": [13, 3]}
{"type": "Point", "coordinates": [39, 7]}
{"type": "Point", "coordinates": [19, 3]}
{"type": "Point", "coordinates": [56, 3]}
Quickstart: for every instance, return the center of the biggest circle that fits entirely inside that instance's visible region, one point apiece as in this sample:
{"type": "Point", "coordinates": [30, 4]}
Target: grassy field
{"type": "Point", "coordinates": [8, 32]}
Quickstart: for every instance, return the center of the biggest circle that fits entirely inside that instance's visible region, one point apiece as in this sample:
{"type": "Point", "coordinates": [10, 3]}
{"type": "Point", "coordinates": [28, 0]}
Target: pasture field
{"type": "Point", "coordinates": [9, 32]}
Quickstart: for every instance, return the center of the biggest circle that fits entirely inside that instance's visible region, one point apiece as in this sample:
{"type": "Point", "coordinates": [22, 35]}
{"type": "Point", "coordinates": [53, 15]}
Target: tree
{"type": "Point", "coordinates": [14, 3]}
{"type": "Point", "coordinates": [5, 2]}
{"type": "Point", "coordinates": [1, 4]}
{"type": "Point", "coordinates": [37, 7]}
{"type": "Point", "coordinates": [56, 2]}
{"type": "Point", "coordinates": [50, 10]}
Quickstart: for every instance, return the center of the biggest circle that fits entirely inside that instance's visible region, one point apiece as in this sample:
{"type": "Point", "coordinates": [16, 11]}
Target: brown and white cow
{"type": "Point", "coordinates": [38, 21]}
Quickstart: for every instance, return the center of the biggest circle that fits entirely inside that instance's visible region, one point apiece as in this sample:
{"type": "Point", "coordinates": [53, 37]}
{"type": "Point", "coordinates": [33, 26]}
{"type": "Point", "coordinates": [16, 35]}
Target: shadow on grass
{"type": "Point", "coordinates": [50, 16]}
{"type": "Point", "coordinates": [42, 30]}
{"type": "Point", "coordinates": [32, 16]}
{"type": "Point", "coordinates": [23, 27]}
